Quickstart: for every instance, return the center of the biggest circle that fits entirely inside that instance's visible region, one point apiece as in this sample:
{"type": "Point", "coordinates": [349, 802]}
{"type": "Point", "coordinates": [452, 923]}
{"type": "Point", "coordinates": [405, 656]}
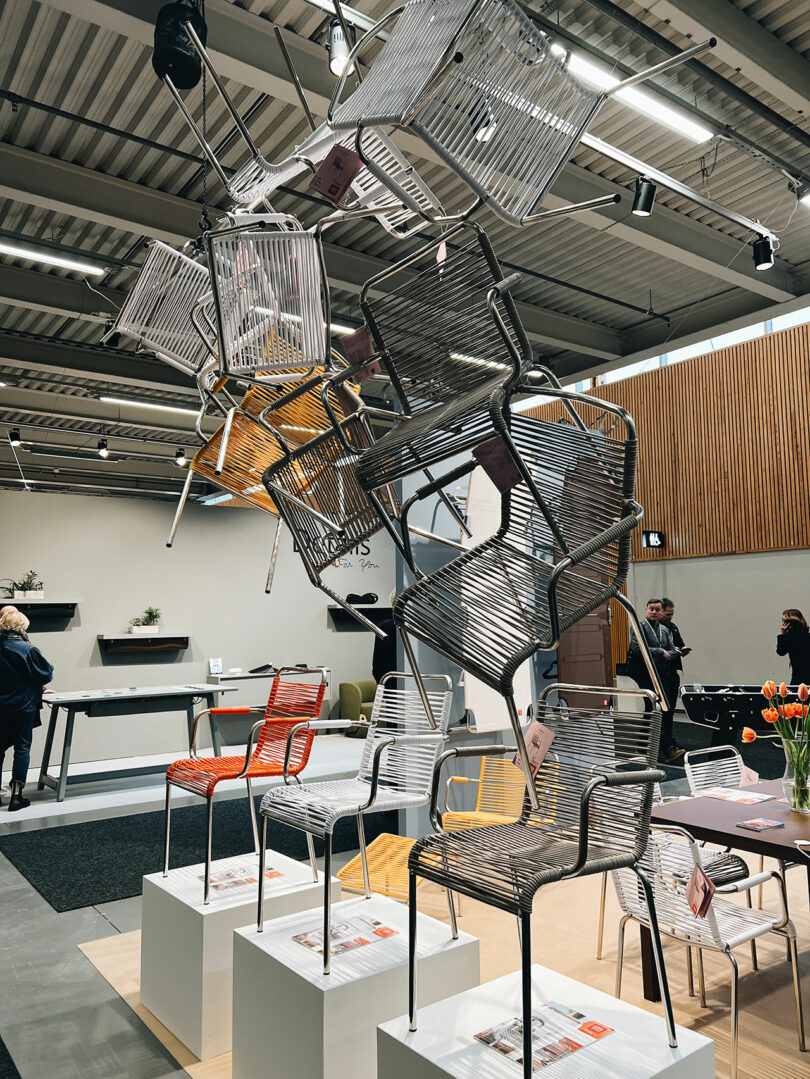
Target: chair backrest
{"type": "Point", "coordinates": [501, 787]}
{"type": "Point", "coordinates": [589, 742]}
{"type": "Point", "coordinates": [432, 325]}
{"type": "Point", "coordinates": [157, 311]}
{"type": "Point", "coordinates": [406, 769]}
{"type": "Point", "coordinates": [716, 766]}
{"type": "Point", "coordinates": [271, 295]}
{"type": "Point", "coordinates": [289, 702]}
{"type": "Point", "coordinates": [251, 450]}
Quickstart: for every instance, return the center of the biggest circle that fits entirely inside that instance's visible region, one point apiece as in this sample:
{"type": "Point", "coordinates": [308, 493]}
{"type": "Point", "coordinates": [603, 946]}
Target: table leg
{"type": "Point", "coordinates": [652, 990]}
{"type": "Point", "coordinates": [213, 722]}
{"type": "Point", "coordinates": [63, 772]}
{"type": "Point", "coordinates": [46, 753]}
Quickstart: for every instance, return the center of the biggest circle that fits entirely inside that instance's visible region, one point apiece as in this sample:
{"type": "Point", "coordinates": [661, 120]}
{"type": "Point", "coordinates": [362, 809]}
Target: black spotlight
{"type": "Point", "coordinates": [14, 436]}
{"type": "Point", "coordinates": [180, 457]}
{"type": "Point", "coordinates": [102, 448]}
{"type": "Point", "coordinates": [644, 198]}
{"type": "Point", "coordinates": [763, 253]}
{"type": "Point", "coordinates": [484, 124]}
{"type": "Point", "coordinates": [174, 55]}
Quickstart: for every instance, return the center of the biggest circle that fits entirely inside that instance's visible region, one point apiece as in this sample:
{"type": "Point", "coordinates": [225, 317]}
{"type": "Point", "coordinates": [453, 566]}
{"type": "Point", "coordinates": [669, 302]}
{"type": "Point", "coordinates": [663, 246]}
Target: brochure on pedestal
{"type": "Point", "coordinates": [187, 946]}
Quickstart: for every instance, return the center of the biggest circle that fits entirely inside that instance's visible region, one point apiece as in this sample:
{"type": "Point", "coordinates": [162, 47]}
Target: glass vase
{"type": "Point", "coordinates": [795, 780]}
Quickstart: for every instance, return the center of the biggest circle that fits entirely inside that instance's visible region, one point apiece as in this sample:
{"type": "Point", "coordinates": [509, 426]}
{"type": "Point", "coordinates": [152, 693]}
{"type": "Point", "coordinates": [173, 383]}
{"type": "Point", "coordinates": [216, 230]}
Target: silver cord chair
{"type": "Point", "coordinates": [396, 771]}
{"type": "Point", "coordinates": [594, 799]}
{"type": "Point", "coordinates": [669, 861]}
{"type": "Point", "coordinates": [477, 81]}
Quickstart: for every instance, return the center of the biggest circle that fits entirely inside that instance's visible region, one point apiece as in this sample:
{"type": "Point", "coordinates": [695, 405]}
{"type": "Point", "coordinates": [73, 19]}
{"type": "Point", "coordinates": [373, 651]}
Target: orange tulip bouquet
{"type": "Point", "coordinates": [791, 721]}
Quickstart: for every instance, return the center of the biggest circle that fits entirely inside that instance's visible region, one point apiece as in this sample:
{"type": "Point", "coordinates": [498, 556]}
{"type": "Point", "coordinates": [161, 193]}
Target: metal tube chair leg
{"type": "Point", "coordinates": [312, 859]}
{"type": "Point", "coordinates": [690, 977]}
{"type": "Point", "coordinates": [783, 875]}
{"type": "Point", "coordinates": [526, 989]}
{"type": "Point", "coordinates": [701, 978]}
{"type": "Point", "coordinates": [178, 513]}
{"type": "Point", "coordinates": [735, 1004]}
{"type": "Point", "coordinates": [753, 942]}
{"type": "Point", "coordinates": [409, 654]}
{"type": "Point", "coordinates": [327, 903]}
{"type": "Point", "coordinates": [253, 823]}
{"type": "Point", "coordinates": [411, 950]}
{"type": "Point", "coordinates": [523, 753]}
{"type": "Point", "coordinates": [223, 442]}
{"type": "Point", "coordinates": [601, 932]}
{"type": "Point", "coordinates": [210, 827]}
{"type": "Point", "coordinates": [167, 830]}
{"type": "Point", "coordinates": [617, 988]}
{"type": "Point", "coordinates": [262, 856]}
{"type": "Point", "coordinates": [271, 571]}
{"type": "Point", "coordinates": [361, 835]}
{"type": "Point", "coordinates": [797, 988]}
{"type": "Point", "coordinates": [451, 907]}
{"type": "Point", "coordinates": [658, 952]}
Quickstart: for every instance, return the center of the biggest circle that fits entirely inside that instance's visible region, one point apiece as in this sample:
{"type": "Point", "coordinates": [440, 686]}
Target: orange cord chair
{"type": "Point", "coordinates": [289, 703]}
{"type": "Point", "coordinates": [501, 788]}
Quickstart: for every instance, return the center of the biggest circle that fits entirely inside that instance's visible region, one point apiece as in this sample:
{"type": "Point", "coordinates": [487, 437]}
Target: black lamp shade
{"type": "Point", "coordinates": [763, 253]}
{"type": "Point", "coordinates": [174, 55]}
{"type": "Point", "coordinates": [644, 198]}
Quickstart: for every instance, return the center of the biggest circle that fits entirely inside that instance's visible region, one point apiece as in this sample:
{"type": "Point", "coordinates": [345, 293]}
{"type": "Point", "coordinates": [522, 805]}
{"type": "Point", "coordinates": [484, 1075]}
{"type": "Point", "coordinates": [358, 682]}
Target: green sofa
{"type": "Point", "coordinates": [356, 699]}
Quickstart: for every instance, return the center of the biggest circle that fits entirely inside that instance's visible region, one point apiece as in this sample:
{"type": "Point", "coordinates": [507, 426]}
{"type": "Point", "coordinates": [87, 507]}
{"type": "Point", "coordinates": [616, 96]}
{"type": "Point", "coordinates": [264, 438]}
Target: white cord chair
{"type": "Point", "coordinates": [396, 772]}
{"type": "Point", "coordinates": [671, 856]}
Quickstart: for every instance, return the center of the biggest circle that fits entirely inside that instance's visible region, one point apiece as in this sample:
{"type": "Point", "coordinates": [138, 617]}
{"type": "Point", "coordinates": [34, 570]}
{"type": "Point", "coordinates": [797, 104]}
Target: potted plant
{"type": "Point", "coordinates": [148, 622]}
{"type": "Point", "coordinates": [791, 722]}
{"type": "Point", "coordinates": [28, 587]}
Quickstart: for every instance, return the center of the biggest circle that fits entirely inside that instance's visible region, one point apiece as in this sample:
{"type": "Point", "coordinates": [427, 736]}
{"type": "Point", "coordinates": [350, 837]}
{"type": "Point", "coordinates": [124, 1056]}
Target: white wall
{"type": "Point", "coordinates": [110, 554]}
{"type": "Point", "coordinates": [728, 610]}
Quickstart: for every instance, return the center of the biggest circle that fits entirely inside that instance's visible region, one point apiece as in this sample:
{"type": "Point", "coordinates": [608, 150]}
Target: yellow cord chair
{"type": "Point", "coordinates": [501, 788]}
{"type": "Point", "coordinates": [387, 859]}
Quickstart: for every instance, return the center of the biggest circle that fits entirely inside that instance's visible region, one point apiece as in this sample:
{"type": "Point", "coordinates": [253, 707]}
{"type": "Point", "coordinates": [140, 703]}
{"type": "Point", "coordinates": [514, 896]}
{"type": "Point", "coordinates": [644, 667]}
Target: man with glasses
{"type": "Point", "coordinates": [665, 657]}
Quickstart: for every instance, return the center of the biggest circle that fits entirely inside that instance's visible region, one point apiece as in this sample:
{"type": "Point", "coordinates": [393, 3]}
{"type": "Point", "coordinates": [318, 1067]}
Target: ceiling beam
{"type": "Point", "coordinates": [55, 295]}
{"type": "Point", "coordinates": [244, 48]}
{"type": "Point", "coordinates": [743, 43]}
{"type": "Point", "coordinates": [40, 404]}
{"type": "Point", "coordinates": [77, 191]}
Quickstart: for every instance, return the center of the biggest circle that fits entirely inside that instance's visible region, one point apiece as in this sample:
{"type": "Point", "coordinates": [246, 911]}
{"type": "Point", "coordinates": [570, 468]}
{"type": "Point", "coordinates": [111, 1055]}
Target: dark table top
{"type": "Point", "coordinates": [715, 821]}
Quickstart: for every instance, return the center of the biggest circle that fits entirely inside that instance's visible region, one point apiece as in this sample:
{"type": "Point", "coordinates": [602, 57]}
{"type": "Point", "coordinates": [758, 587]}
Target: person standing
{"type": "Point", "coordinates": [794, 642]}
{"type": "Point", "coordinates": [24, 672]}
{"type": "Point", "coordinates": [664, 656]}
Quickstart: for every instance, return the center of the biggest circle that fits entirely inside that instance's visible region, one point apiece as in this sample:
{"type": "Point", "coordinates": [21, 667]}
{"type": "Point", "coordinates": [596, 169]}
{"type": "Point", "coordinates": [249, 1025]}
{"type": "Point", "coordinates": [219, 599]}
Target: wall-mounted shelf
{"type": "Point", "coordinates": [44, 608]}
{"type": "Point", "coordinates": [342, 620]}
{"type": "Point", "coordinates": [143, 642]}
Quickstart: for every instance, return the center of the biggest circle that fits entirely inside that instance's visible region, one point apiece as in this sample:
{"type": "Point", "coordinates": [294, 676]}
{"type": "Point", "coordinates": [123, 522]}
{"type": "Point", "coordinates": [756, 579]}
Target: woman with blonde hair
{"type": "Point", "coordinates": [23, 673]}
{"type": "Point", "coordinates": [794, 642]}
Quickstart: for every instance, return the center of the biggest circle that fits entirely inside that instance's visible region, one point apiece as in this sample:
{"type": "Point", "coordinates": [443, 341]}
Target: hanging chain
{"type": "Point", "coordinates": [205, 220]}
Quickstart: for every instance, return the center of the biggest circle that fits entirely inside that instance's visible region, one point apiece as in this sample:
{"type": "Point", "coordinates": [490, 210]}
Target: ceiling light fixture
{"type": "Point", "coordinates": [148, 404]}
{"type": "Point", "coordinates": [102, 448]}
{"type": "Point", "coordinates": [180, 457]}
{"type": "Point", "coordinates": [33, 254]}
{"type": "Point", "coordinates": [14, 436]}
{"type": "Point", "coordinates": [484, 124]}
{"type": "Point", "coordinates": [763, 253]}
{"type": "Point", "coordinates": [644, 198]}
{"type": "Point", "coordinates": [338, 48]}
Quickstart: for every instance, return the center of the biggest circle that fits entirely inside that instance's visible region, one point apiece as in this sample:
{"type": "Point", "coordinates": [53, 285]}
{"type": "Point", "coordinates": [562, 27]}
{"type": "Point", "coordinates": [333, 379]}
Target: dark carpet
{"type": "Point", "coordinates": [8, 1069]}
{"type": "Point", "coordinates": [82, 865]}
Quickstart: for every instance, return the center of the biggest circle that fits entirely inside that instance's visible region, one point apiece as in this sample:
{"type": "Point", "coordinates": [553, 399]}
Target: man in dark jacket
{"type": "Point", "coordinates": [23, 673]}
{"type": "Point", "coordinates": [664, 656]}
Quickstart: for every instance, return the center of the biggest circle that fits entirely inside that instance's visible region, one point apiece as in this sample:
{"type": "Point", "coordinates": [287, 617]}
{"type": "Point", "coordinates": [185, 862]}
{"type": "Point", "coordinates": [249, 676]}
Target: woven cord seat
{"type": "Point", "coordinates": [387, 865]}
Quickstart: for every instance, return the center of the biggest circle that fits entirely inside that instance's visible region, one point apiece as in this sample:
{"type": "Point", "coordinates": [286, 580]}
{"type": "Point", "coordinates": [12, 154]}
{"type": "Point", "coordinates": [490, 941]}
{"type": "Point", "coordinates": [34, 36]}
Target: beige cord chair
{"type": "Point", "coordinates": [499, 799]}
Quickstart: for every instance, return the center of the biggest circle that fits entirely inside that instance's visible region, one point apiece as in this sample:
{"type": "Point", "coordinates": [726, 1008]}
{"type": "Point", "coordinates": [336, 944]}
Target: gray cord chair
{"type": "Point", "coordinates": [670, 858]}
{"type": "Point", "coordinates": [594, 799]}
{"type": "Point", "coordinates": [396, 771]}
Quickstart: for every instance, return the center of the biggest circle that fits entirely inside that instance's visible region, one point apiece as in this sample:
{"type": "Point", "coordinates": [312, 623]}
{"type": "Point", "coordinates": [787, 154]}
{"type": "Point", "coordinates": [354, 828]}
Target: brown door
{"type": "Point", "coordinates": [584, 655]}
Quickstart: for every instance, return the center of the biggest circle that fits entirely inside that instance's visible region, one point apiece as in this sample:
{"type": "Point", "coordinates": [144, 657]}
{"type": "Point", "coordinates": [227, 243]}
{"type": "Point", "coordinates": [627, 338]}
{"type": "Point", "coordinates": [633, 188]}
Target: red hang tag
{"type": "Point", "coordinates": [335, 174]}
{"type": "Point", "coordinates": [372, 368]}
{"type": "Point", "coordinates": [699, 892]}
{"type": "Point", "coordinates": [498, 463]}
{"type": "Point", "coordinates": [538, 738]}
{"type": "Point", "coordinates": [357, 346]}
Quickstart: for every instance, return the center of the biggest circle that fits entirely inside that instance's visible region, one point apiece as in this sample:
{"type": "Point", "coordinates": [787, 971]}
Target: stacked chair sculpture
{"type": "Point", "coordinates": [396, 771]}
{"type": "Point", "coordinates": [594, 796]}
{"type": "Point", "coordinates": [282, 747]}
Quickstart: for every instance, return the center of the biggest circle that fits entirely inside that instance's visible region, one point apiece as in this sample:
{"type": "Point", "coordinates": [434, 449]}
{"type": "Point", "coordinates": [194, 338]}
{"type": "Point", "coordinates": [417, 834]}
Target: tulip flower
{"type": "Point", "coordinates": [770, 715]}
{"type": "Point", "coordinates": [804, 692]}
{"type": "Point", "coordinates": [749, 735]}
{"type": "Point", "coordinates": [768, 690]}
{"type": "Point", "coordinates": [782, 689]}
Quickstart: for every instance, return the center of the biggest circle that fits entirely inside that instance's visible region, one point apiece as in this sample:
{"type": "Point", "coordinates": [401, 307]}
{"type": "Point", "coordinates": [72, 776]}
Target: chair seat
{"type": "Point", "coordinates": [721, 867]}
{"type": "Point", "coordinates": [504, 865]}
{"type": "Point", "coordinates": [431, 436]}
{"type": "Point", "coordinates": [202, 776]}
{"type": "Point", "coordinates": [387, 858]}
{"type": "Point", "coordinates": [317, 807]}
{"type": "Point", "coordinates": [458, 820]}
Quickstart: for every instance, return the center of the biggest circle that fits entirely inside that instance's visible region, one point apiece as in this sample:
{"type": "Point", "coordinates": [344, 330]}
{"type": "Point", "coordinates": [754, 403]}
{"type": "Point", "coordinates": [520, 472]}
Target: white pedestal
{"type": "Point", "coordinates": [444, 1044]}
{"type": "Point", "coordinates": [289, 1019]}
{"type": "Point", "coordinates": [187, 948]}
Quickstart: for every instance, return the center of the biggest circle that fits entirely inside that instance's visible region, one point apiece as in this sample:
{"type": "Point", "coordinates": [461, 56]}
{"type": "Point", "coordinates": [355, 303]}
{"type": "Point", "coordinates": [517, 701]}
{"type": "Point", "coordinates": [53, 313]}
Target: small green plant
{"type": "Point", "coordinates": [150, 617]}
{"type": "Point", "coordinates": [29, 583]}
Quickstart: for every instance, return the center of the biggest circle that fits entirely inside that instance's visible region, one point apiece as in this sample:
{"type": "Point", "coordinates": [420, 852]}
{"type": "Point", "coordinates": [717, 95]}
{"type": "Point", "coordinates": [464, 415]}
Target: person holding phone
{"type": "Point", "coordinates": [794, 642]}
{"type": "Point", "coordinates": [667, 614]}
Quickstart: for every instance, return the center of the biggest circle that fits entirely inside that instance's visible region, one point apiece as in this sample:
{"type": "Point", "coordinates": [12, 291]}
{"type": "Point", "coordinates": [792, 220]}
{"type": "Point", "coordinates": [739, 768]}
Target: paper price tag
{"type": "Point", "coordinates": [357, 346]}
{"type": "Point", "coordinates": [335, 174]}
{"type": "Point", "coordinates": [538, 739]}
{"type": "Point", "coordinates": [699, 892]}
{"type": "Point", "coordinates": [497, 462]}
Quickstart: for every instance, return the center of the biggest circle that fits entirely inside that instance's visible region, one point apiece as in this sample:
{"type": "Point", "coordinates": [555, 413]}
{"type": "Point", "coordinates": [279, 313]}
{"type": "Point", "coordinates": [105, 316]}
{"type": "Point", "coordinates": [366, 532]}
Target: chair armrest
{"type": "Point", "coordinates": [217, 712]}
{"type": "Point", "coordinates": [455, 779]}
{"type": "Point", "coordinates": [394, 740]}
{"type": "Point", "coordinates": [749, 882]}
{"type": "Point", "coordinates": [610, 779]}
{"type": "Point", "coordinates": [459, 751]}
{"type": "Point", "coordinates": [310, 725]}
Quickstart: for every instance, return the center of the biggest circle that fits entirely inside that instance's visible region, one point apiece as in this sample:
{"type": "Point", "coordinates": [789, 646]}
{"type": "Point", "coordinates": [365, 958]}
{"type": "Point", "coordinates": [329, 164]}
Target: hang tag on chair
{"type": "Point", "coordinates": [498, 463]}
{"type": "Point", "coordinates": [358, 347]}
{"type": "Point", "coordinates": [699, 892]}
{"type": "Point", "coordinates": [538, 739]}
{"type": "Point", "coordinates": [335, 174]}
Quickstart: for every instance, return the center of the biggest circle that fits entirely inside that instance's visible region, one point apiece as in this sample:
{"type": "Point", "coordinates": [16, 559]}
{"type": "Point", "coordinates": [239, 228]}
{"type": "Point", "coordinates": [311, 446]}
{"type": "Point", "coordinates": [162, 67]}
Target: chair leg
{"type": "Point", "coordinates": [735, 987]}
{"type": "Point", "coordinates": [223, 442]}
{"type": "Point", "coordinates": [262, 857]}
{"type": "Point", "coordinates": [167, 830]}
{"type": "Point", "coordinates": [526, 986]}
{"type": "Point", "coordinates": [601, 932]}
{"type": "Point", "coordinates": [690, 978]}
{"type": "Point", "coordinates": [701, 978]}
{"type": "Point", "coordinates": [617, 988]}
{"type": "Point", "coordinates": [207, 887]}
{"type": "Point", "coordinates": [451, 907]}
{"type": "Point", "coordinates": [658, 952]}
{"type": "Point", "coordinates": [783, 875]}
{"type": "Point", "coordinates": [361, 835]}
{"type": "Point", "coordinates": [180, 505]}
{"type": "Point", "coordinates": [327, 902]}
{"type": "Point", "coordinates": [753, 942]}
{"type": "Point", "coordinates": [797, 988]}
{"type": "Point", "coordinates": [312, 859]}
{"type": "Point", "coordinates": [253, 823]}
{"type": "Point", "coordinates": [522, 752]}
{"type": "Point", "coordinates": [411, 950]}
{"type": "Point", "coordinates": [759, 889]}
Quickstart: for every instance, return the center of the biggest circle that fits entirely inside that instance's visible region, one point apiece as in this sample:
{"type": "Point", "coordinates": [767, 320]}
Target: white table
{"type": "Point", "coordinates": [134, 700]}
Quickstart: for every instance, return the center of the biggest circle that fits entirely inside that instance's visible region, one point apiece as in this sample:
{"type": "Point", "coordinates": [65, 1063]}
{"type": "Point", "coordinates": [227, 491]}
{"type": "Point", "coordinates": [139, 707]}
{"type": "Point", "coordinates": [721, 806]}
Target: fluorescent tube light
{"type": "Point", "coordinates": [210, 500]}
{"type": "Point", "coordinates": [42, 255]}
{"type": "Point", "coordinates": [148, 404]}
